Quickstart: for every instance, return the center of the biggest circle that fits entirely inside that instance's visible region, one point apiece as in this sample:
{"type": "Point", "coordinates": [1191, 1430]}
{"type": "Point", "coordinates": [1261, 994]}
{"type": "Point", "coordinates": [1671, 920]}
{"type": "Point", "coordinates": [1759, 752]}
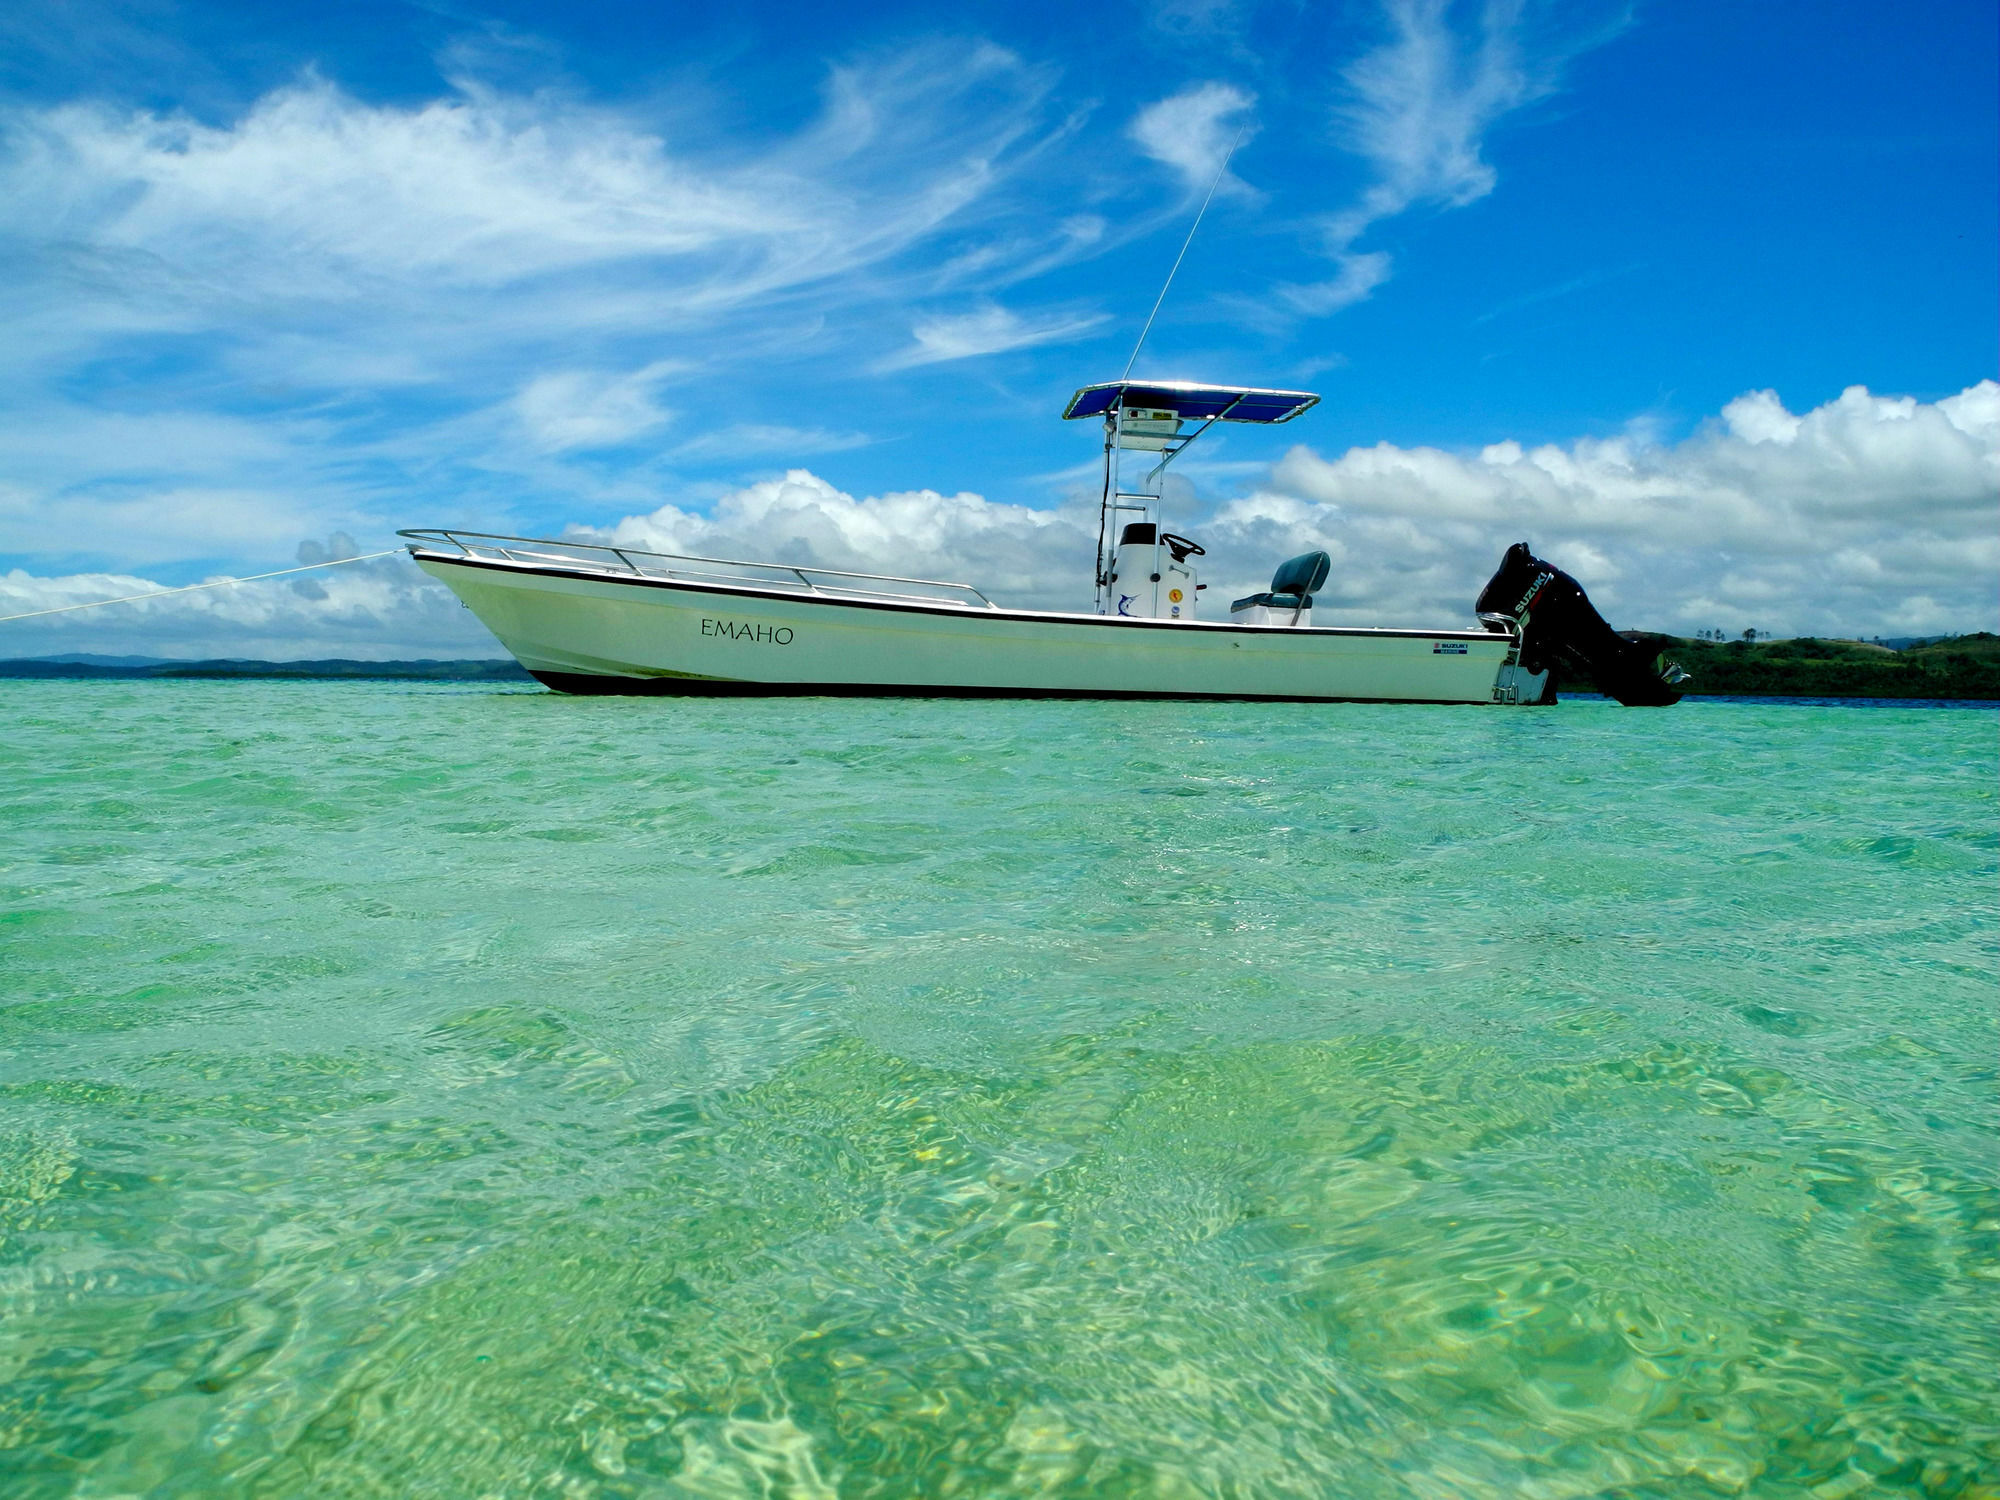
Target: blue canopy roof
{"type": "Point", "coordinates": [1231, 403]}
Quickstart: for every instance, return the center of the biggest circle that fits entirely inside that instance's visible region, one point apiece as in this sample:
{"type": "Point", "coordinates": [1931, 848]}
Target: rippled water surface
{"type": "Point", "coordinates": [410, 1090]}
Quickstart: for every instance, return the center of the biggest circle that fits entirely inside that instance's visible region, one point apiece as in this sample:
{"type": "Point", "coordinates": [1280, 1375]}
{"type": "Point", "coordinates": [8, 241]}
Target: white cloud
{"type": "Point", "coordinates": [378, 610]}
{"type": "Point", "coordinates": [1193, 132]}
{"type": "Point", "coordinates": [757, 439]}
{"type": "Point", "coordinates": [1867, 515]}
{"type": "Point", "coordinates": [591, 409]}
{"type": "Point", "coordinates": [155, 523]}
{"type": "Point", "coordinates": [326, 311]}
{"type": "Point", "coordinates": [313, 193]}
{"type": "Point", "coordinates": [1016, 554]}
{"type": "Point", "coordinates": [415, 244]}
{"type": "Point", "coordinates": [990, 329]}
{"type": "Point", "coordinates": [1419, 107]}
{"type": "Point", "coordinates": [1208, 21]}
{"type": "Point", "coordinates": [386, 608]}
{"type": "Point", "coordinates": [1416, 110]}
{"type": "Point", "coordinates": [1358, 275]}
{"type": "Point", "coordinates": [478, 189]}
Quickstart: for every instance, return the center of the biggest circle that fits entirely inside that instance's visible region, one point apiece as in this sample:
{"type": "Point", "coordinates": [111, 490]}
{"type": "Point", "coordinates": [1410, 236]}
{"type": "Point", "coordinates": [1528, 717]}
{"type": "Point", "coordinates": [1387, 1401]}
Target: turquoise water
{"type": "Point", "coordinates": [410, 1090]}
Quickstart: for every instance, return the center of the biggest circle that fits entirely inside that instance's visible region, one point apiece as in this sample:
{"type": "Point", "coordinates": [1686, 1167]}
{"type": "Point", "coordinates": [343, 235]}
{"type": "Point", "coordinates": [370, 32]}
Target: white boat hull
{"type": "Point", "coordinates": [584, 631]}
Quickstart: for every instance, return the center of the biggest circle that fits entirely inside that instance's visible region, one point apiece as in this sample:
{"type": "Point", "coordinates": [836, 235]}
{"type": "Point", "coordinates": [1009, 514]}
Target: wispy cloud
{"type": "Point", "coordinates": [428, 242]}
{"type": "Point", "coordinates": [314, 193]}
{"type": "Point", "coordinates": [1417, 110]}
{"type": "Point", "coordinates": [991, 329]}
{"type": "Point", "coordinates": [1554, 293]}
{"type": "Point", "coordinates": [1193, 132]}
{"type": "Point", "coordinates": [331, 305]}
{"type": "Point", "coordinates": [1357, 275]}
{"type": "Point", "coordinates": [764, 440]}
{"type": "Point", "coordinates": [515, 305]}
{"type": "Point", "coordinates": [567, 409]}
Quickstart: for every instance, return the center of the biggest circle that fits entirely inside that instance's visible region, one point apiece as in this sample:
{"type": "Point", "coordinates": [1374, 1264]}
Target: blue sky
{"type": "Point", "coordinates": [278, 278]}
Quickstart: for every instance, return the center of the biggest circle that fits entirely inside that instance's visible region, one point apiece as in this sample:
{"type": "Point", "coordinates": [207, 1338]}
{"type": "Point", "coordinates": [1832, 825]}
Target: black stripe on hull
{"type": "Point", "coordinates": [591, 684]}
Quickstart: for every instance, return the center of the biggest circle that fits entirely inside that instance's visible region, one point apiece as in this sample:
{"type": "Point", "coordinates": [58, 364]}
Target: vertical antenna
{"type": "Point", "coordinates": [1185, 243]}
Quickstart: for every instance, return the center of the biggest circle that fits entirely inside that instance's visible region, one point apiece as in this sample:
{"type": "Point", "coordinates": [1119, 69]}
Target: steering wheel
{"type": "Point", "coordinates": [1183, 548]}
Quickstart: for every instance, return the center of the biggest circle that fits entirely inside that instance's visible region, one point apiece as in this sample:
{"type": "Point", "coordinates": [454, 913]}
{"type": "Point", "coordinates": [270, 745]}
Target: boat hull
{"type": "Point", "coordinates": [589, 633]}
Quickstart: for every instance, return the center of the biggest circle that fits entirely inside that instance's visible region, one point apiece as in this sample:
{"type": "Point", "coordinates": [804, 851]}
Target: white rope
{"type": "Point", "coordinates": [220, 583]}
{"type": "Point", "coordinates": [1184, 247]}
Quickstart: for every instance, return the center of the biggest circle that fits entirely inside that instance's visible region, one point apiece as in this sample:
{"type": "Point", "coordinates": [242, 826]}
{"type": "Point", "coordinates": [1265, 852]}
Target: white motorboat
{"type": "Point", "coordinates": [595, 618]}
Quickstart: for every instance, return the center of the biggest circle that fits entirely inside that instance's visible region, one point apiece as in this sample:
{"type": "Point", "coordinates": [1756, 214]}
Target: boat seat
{"type": "Point", "coordinates": [1293, 585]}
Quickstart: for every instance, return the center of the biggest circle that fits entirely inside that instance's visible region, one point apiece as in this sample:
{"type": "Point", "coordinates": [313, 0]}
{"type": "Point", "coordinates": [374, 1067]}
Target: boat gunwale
{"type": "Point", "coordinates": [469, 545]}
{"type": "Point", "coordinates": [960, 611]}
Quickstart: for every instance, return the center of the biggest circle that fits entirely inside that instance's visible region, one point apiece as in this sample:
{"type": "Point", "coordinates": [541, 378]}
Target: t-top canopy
{"type": "Point", "coordinates": [1202, 403]}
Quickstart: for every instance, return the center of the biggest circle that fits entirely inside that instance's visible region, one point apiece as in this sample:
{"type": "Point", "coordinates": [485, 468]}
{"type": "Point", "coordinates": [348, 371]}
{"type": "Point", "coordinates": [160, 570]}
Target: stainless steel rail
{"type": "Point", "coordinates": [596, 557]}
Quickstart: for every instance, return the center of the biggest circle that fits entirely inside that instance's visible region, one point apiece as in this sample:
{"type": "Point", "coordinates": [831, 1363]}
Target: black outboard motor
{"type": "Point", "coordinates": [1560, 629]}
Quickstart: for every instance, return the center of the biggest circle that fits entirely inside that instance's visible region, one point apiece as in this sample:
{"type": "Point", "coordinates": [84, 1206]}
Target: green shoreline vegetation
{"type": "Point", "coordinates": [1961, 668]}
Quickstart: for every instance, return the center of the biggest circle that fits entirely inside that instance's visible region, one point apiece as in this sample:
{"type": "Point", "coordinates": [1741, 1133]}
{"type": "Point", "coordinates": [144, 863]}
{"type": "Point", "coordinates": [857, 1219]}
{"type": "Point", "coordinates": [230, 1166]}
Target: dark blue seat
{"type": "Point", "coordinates": [1293, 585]}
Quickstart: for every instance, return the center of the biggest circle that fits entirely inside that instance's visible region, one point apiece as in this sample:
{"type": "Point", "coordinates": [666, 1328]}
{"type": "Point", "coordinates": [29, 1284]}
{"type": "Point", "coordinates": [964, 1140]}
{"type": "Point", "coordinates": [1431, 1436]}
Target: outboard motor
{"type": "Point", "coordinates": [1558, 628]}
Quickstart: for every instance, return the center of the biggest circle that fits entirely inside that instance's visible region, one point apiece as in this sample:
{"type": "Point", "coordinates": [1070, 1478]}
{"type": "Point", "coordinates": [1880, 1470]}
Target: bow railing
{"type": "Point", "coordinates": [616, 561]}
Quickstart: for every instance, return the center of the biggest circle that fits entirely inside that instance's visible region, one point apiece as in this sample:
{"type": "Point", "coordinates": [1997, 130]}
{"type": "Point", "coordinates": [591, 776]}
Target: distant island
{"type": "Point", "coordinates": [1965, 667]}
{"type": "Point", "coordinates": [84, 666]}
{"type": "Point", "coordinates": [1956, 667]}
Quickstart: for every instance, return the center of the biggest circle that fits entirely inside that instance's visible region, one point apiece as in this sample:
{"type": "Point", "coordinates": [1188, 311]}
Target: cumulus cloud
{"type": "Point", "coordinates": [990, 329]}
{"type": "Point", "coordinates": [376, 610]}
{"type": "Point", "coordinates": [1193, 132]}
{"type": "Point", "coordinates": [385, 608]}
{"type": "Point", "coordinates": [1018, 555]}
{"type": "Point", "coordinates": [324, 312]}
{"type": "Point", "coordinates": [1416, 109]}
{"type": "Point", "coordinates": [1867, 515]}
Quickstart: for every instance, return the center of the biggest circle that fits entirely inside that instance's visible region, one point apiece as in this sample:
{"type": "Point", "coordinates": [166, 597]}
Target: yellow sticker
{"type": "Point", "coordinates": [1175, 595]}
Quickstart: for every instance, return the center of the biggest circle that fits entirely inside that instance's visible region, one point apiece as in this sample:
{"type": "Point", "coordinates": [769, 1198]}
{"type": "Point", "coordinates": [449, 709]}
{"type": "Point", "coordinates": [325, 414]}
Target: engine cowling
{"type": "Point", "coordinates": [1559, 629]}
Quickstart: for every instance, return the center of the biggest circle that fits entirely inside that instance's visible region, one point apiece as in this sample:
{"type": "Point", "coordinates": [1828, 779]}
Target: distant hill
{"type": "Point", "coordinates": [1980, 647]}
{"type": "Point", "coordinates": [1958, 667]}
{"type": "Point", "coordinates": [83, 666]}
{"type": "Point", "coordinates": [91, 659]}
{"type": "Point", "coordinates": [1911, 642]}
